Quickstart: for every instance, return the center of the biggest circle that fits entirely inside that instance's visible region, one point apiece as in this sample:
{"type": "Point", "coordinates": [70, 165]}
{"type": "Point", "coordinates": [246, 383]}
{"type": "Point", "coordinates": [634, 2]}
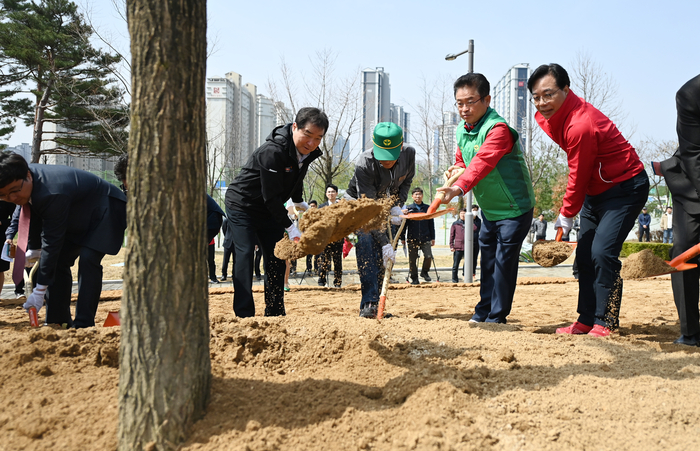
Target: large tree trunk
{"type": "Point", "coordinates": [164, 372]}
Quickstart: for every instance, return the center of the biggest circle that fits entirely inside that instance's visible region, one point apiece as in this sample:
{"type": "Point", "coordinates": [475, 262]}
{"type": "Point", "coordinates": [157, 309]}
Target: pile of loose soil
{"type": "Point", "coordinates": [644, 264]}
{"type": "Point", "coordinates": [320, 226]}
{"type": "Point", "coordinates": [323, 378]}
{"type": "Point", "coordinates": [549, 253]}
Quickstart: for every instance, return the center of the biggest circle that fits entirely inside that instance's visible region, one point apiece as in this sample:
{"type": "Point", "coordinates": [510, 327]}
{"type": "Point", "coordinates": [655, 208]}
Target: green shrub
{"type": "Point", "coordinates": [661, 250]}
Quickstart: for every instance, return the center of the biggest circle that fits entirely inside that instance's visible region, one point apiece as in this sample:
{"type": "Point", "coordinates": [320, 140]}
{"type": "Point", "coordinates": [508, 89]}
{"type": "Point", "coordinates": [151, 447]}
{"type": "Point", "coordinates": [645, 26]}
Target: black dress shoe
{"type": "Point", "coordinates": [223, 278]}
{"type": "Point", "coordinates": [688, 340]}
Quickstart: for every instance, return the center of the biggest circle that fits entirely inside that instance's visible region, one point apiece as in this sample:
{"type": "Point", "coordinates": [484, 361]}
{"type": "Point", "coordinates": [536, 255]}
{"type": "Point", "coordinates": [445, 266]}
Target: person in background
{"type": "Point", "coordinates": [420, 236]}
{"type": "Point", "coordinates": [475, 241]}
{"type": "Point", "coordinates": [539, 227]}
{"type": "Point", "coordinates": [7, 209]}
{"type": "Point", "coordinates": [607, 184]}
{"type": "Point", "coordinates": [644, 220]}
{"type": "Point", "coordinates": [667, 225]}
{"type": "Point", "coordinates": [457, 244]}
{"type": "Point", "coordinates": [333, 251]}
{"type": "Point", "coordinates": [215, 215]}
{"type": "Point", "coordinates": [211, 253]}
{"type": "Point", "coordinates": [312, 260]}
{"type": "Point", "coordinates": [228, 250]}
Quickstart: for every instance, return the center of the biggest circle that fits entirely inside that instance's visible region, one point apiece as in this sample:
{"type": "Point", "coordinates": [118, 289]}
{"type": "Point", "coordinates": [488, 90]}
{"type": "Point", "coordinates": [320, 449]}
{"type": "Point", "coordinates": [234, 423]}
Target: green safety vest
{"type": "Point", "coordinates": [506, 192]}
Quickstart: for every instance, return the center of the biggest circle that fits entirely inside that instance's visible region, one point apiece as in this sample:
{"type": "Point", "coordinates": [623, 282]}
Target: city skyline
{"type": "Point", "coordinates": [629, 45]}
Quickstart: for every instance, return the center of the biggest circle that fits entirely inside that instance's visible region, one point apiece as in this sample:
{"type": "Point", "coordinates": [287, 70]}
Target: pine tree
{"type": "Point", "coordinates": [50, 72]}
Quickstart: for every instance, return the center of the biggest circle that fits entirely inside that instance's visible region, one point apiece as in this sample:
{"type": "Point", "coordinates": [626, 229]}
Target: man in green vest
{"type": "Point", "coordinates": [496, 172]}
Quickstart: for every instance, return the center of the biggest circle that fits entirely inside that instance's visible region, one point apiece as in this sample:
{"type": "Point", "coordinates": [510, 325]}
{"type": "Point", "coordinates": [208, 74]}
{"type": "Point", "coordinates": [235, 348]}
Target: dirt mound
{"type": "Point", "coordinates": [550, 253]}
{"type": "Point", "coordinates": [644, 264]}
{"type": "Point", "coordinates": [323, 378]}
{"type": "Point", "coordinates": [320, 226]}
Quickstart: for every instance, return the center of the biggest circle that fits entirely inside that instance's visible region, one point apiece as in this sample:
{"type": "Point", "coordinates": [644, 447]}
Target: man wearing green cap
{"type": "Point", "coordinates": [387, 170]}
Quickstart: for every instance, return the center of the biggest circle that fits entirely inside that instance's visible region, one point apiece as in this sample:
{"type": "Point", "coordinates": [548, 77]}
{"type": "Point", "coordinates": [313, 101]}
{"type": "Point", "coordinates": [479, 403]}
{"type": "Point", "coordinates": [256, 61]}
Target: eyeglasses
{"type": "Point", "coordinates": [546, 98]}
{"type": "Point", "coordinates": [14, 191]}
{"type": "Point", "coordinates": [467, 104]}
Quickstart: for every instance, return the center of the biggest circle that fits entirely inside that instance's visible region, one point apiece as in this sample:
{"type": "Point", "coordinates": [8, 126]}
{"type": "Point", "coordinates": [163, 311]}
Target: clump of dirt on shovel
{"type": "Point", "coordinates": [550, 253]}
{"type": "Point", "coordinates": [644, 264]}
{"type": "Point", "coordinates": [320, 226]}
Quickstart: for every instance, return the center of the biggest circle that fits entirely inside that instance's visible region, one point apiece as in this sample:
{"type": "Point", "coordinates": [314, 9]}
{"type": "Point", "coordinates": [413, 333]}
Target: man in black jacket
{"type": "Point", "coordinates": [682, 173]}
{"type": "Point", "coordinates": [420, 236]}
{"type": "Point", "coordinates": [255, 205]}
{"type": "Point", "coordinates": [75, 214]}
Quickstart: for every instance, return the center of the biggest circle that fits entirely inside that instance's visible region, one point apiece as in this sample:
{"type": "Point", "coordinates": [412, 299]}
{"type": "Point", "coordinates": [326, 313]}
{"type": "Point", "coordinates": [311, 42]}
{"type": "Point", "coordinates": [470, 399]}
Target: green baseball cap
{"type": "Point", "coordinates": [388, 140]}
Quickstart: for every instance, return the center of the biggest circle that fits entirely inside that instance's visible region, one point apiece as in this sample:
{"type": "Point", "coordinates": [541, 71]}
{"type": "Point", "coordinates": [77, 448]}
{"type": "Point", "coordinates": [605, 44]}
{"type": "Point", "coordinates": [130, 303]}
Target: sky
{"type": "Point", "coordinates": [650, 49]}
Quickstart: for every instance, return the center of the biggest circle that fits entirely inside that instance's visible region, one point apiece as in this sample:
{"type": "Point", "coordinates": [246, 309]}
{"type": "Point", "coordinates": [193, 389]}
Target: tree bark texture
{"type": "Point", "coordinates": [165, 372]}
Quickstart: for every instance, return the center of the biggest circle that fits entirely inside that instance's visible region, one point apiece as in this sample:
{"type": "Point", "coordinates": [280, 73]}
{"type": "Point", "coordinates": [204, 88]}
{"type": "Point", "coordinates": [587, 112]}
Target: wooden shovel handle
{"type": "Point", "coordinates": [560, 234]}
{"type": "Point", "coordinates": [449, 181]}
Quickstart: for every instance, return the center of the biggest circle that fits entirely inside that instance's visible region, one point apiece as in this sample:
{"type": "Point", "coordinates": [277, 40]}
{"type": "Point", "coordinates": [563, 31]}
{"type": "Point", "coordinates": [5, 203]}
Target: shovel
{"type": "Point", "coordinates": [432, 210]}
{"type": "Point", "coordinates": [387, 273]}
{"type": "Point", "coordinates": [556, 259]}
{"type": "Point", "coordinates": [679, 263]}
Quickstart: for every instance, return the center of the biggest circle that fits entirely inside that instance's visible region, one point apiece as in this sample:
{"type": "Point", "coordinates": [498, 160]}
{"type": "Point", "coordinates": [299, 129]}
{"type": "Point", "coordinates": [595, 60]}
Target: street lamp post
{"type": "Point", "coordinates": [468, 216]}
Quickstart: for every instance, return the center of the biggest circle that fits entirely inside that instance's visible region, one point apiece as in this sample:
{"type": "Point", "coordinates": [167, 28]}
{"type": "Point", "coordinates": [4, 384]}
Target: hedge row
{"type": "Point", "coordinates": [661, 250]}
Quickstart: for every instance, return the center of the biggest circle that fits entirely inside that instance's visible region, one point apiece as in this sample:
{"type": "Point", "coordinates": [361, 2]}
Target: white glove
{"type": "Point", "coordinates": [565, 223]}
{"type": "Point", "coordinates": [303, 206]}
{"type": "Point", "coordinates": [395, 213]}
{"type": "Point", "coordinates": [31, 256]}
{"type": "Point", "coordinates": [36, 299]}
{"type": "Point", "coordinates": [293, 232]}
{"type": "Point", "coordinates": [388, 254]}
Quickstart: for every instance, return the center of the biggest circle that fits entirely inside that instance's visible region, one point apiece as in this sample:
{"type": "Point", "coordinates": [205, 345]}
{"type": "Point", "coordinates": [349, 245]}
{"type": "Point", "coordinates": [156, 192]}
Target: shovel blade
{"type": "Point", "coordinates": [112, 320]}
{"type": "Point", "coordinates": [678, 267]}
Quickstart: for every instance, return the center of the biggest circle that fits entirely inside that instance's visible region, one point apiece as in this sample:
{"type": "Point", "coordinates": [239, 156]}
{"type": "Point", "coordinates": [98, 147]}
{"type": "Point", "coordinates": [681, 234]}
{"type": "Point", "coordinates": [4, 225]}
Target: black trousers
{"type": "Point", "coordinates": [246, 229]}
{"type": "Point", "coordinates": [457, 257]}
{"type": "Point", "coordinates": [643, 232]}
{"type": "Point", "coordinates": [228, 253]}
{"type": "Point", "coordinates": [606, 219]}
{"type": "Point", "coordinates": [211, 252]}
{"type": "Point", "coordinates": [333, 252]}
{"type": "Point", "coordinates": [58, 294]}
{"type": "Point", "coordinates": [686, 284]}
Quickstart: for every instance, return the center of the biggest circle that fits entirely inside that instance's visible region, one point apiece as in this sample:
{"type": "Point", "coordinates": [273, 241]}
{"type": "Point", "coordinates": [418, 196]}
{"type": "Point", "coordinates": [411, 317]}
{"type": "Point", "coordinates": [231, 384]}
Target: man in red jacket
{"type": "Point", "coordinates": [607, 184]}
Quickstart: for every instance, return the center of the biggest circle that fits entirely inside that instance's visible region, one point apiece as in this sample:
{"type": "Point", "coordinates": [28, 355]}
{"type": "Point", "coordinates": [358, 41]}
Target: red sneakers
{"type": "Point", "coordinates": [575, 329]}
{"type": "Point", "coordinates": [599, 331]}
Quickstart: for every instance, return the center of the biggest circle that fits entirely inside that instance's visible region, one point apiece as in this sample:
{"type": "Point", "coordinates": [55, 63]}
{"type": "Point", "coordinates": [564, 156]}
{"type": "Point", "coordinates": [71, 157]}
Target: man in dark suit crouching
{"type": "Point", "coordinates": [73, 214]}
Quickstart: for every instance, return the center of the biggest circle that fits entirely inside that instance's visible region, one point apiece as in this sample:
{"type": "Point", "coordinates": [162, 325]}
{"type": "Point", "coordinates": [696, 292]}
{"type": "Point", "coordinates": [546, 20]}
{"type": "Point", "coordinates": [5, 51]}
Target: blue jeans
{"type": "Point", "coordinates": [668, 236]}
{"type": "Point", "coordinates": [500, 243]}
{"type": "Point", "coordinates": [370, 267]}
{"type": "Point", "coordinates": [606, 219]}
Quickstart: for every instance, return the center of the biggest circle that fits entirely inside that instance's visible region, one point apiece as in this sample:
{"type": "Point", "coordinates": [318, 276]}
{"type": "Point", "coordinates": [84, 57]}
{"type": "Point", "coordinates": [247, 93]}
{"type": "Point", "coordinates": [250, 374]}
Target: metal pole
{"type": "Point", "coordinates": [468, 217]}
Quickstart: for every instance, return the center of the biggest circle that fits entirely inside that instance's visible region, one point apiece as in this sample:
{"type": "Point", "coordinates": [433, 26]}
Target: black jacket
{"type": "Point", "coordinates": [420, 231]}
{"type": "Point", "coordinates": [682, 170]}
{"type": "Point", "coordinates": [68, 204]}
{"type": "Point", "coordinates": [270, 177]}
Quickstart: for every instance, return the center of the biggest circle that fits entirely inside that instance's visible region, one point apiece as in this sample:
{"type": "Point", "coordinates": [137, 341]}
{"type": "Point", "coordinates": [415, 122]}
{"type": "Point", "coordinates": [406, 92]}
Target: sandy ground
{"type": "Point", "coordinates": [322, 378]}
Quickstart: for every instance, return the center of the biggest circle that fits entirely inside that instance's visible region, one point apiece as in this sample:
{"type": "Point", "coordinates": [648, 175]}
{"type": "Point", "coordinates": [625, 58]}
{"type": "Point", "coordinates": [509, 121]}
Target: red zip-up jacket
{"type": "Point", "coordinates": [599, 156]}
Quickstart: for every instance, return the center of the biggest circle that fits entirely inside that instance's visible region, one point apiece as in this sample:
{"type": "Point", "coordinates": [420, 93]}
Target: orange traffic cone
{"type": "Point", "coordinates": [112, 320]}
